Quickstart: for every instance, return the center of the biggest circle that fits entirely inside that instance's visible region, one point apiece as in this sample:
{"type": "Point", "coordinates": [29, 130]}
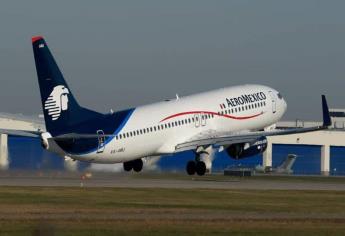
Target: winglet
{"type": "Point", "coordinates": [325, 113]}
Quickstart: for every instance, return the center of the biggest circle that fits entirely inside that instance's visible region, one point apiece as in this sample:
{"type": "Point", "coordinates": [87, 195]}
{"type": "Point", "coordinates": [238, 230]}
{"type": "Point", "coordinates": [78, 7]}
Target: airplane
{"type": "Point", "coordinates": [235, 119]}
{"type": "Point", "coordinates": [285, 167]}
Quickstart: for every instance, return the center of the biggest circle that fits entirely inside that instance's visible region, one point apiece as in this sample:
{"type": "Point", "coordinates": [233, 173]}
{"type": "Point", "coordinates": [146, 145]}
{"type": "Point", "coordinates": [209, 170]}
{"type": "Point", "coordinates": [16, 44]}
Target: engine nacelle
{"type": "Point", "coordinates": [242, 150]}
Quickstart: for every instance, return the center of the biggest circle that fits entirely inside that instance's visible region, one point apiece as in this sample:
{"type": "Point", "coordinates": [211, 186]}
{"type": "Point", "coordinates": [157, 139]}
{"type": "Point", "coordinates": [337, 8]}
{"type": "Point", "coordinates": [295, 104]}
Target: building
{"type": "Point", "coordinates": [321, 152]}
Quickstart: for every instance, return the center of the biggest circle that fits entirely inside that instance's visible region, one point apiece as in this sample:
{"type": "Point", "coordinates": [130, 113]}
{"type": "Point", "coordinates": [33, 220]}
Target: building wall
{"type": "Point", "coordinates": [308, 157]}
{"type": "Point", "coordinates": [26, 153]}
{"type": "Point", "coordinates": [337, 165]}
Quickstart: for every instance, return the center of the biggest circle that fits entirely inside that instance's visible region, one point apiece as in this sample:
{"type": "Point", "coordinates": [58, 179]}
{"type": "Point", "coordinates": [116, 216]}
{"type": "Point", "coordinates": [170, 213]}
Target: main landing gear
{"type": "Point", "coordinates": [202, 163]}
{"type": "Point", "coordinates": [198, 167]}
{"type": "Point", "coordinates": [136, 165]}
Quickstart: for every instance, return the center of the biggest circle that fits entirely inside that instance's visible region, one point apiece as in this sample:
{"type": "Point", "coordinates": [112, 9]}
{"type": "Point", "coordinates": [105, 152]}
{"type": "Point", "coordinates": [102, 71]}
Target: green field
{"type": "Point", "coordinates": [118, 211]}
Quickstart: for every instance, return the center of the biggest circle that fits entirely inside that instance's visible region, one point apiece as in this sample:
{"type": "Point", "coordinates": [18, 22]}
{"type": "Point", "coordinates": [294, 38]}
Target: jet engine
{"type": "Point", "coordinates": [242, 150]}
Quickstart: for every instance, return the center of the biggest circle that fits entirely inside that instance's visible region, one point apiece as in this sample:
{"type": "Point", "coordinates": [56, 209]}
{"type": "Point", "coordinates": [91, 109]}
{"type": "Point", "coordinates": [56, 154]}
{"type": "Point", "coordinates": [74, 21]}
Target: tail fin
{"type": "Point", "coordinates": [288, 162]}
{"type": "Point", "coordinates": [62, 112]}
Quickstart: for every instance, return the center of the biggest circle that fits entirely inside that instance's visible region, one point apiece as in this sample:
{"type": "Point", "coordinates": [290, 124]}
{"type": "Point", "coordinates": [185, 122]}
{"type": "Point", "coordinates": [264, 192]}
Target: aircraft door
{"type": "Point", "coordinates": [274, 102]}
{"type": "Point", "coordinates": [197, 120]}
{"type": "Point", "coordinates": [203, 119]}
{"type": "Point", "coordinates": [101, 141]}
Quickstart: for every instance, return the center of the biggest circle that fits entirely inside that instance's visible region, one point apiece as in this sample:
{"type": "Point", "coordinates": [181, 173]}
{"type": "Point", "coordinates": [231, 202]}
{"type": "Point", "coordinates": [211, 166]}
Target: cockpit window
{"type": "Point", "coordinates": [280, 96]}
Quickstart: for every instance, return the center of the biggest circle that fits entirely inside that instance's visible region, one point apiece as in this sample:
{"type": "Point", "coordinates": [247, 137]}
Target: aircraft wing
{"type": "Point", "coordinates": [23, 133]}
{"type": "Point", "coordinates": [248, 136]}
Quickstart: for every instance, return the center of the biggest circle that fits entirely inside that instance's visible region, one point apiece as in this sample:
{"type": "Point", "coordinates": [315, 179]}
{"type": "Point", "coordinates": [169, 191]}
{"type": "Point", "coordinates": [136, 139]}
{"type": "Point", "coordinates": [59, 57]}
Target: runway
{"type": "Point", "coordinates": [177, 181]}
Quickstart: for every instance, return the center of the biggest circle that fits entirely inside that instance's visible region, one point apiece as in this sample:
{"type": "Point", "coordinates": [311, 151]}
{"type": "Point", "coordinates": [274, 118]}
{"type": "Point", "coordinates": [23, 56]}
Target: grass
{"type": "Point", "coordinates": [122, 211]}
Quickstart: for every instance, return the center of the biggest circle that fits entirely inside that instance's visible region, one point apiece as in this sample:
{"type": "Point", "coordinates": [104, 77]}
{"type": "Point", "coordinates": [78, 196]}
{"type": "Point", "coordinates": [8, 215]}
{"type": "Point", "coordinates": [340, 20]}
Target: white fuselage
{"type": "Point", "coordinates": [157, 128]}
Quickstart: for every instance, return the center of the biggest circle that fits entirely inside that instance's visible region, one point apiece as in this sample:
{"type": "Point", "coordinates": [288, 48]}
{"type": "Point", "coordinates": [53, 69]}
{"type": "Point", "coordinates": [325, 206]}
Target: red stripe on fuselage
{"type": "Point", "coordinates": [211, 113]}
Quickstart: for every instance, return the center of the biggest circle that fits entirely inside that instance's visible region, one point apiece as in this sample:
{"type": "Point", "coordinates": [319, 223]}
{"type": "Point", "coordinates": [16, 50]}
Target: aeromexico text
{"type": "Point", "coordinates": [246, 99]}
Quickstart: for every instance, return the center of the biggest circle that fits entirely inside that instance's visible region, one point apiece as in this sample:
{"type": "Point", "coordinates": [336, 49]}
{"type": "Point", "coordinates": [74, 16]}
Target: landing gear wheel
{"type": "Point", "coordinates": [137, 165]}
{"type": "Point", "coordinates": [200, 168]}
{"type": "Point", "coordinates": [190, 168]}
{"type": "Point", "coordinates": [127, 166]}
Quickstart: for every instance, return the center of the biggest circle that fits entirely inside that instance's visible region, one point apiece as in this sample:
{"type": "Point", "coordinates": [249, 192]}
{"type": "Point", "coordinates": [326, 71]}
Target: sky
{"type": "Point", "coordinates": [120, 54]}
